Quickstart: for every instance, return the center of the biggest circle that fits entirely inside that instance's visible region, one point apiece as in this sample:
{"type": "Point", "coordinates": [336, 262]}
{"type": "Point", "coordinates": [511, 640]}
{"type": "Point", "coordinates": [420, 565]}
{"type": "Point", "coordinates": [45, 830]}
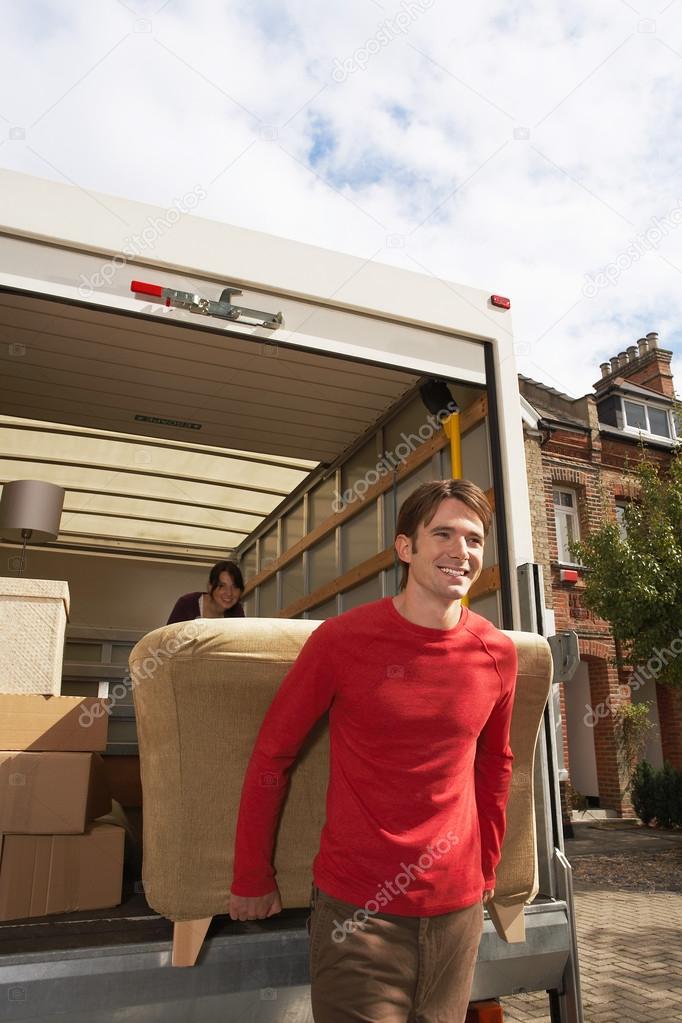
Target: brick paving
{"type": "Point", "coordinates": [630, 951]}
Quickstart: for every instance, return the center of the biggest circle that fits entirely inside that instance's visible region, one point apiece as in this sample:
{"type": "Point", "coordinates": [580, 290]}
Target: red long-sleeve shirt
{"type": "Point", "coordinates": [420, 763]}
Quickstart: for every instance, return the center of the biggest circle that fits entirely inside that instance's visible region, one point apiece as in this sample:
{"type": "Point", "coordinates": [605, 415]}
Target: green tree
{"type": "Point", "coordinates": [635, 581]}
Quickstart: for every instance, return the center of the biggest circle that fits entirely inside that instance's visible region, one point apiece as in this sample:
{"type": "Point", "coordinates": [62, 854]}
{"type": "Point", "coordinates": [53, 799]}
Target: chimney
{"type": "Point", "coordinates": [644, 363]}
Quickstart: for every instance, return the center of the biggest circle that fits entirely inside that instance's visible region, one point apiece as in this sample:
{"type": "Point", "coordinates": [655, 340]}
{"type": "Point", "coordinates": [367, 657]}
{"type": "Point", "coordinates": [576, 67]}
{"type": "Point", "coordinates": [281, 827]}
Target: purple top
{"type": "Point", "coordinates": [187, 608]}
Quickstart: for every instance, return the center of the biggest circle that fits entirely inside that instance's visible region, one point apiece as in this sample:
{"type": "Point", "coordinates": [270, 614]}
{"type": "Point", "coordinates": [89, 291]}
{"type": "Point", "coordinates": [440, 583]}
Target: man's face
{"type": "Point", "coordinates": [447, 557]}
{"type": "Point", "coordinates": [226, 593]}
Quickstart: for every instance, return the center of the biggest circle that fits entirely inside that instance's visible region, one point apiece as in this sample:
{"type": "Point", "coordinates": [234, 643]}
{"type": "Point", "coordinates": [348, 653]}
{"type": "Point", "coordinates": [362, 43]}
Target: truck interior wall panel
{"type": "Point", "coordinates": [329, 609]}
{"type": "Point", "coordinates": [249, 563]}
{"type": "Point", "coordinates": [476, 455]}
{"type": "Point", "coordinates": [324, 565]}
{"type": "Point", "coordinates": [364, 593]}
{"type": "Point", "coordinates": [293, 526]}
{"type": "Point", "coordinates": [359, 537]}
{"type": "Point", "coordinates": [292, 581]}
{"type": "Point", "coordinates": [268, 548]}
{"type": "Point", "coordinates": [267, 592]}
{"type": "Point", "coordinates": [321, 502]}
{"type": "Point", "coordinates": [490, 552]}
{"type": "Point", "coordinates": [488, 607]}
{"type": "Point", "coordinates": [360, 463]}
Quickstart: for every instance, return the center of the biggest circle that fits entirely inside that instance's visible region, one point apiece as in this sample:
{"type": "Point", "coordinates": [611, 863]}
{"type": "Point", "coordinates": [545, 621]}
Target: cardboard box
{"type": "Point", "coordinates": [51, 793]}
{"type": "Point", "coordinates": [70, 724]}
{"type": "Point", "coordinates": [41, 874]}
{"type": "Point", "coordinates": [33, 614]}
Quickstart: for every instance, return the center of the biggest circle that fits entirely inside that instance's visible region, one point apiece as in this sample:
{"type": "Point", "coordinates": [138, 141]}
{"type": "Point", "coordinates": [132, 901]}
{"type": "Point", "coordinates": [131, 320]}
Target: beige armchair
{"type": "Point", "coordinates": [201, 690]}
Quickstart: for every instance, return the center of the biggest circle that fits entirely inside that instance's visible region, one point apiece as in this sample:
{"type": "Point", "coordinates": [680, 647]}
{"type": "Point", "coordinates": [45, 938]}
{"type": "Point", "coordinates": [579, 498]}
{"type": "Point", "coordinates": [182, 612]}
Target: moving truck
{"type": "Point", "coordinates": [204, 391]}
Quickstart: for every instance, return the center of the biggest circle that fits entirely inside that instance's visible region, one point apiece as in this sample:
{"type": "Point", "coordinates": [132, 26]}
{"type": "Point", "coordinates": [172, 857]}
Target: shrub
{"type": "Point", "coordinates": [643, 788]}
{"type": "Point", "coordinates": [657, 795]}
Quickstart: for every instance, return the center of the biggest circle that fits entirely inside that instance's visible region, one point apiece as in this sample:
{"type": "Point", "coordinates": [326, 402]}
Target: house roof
{"type": "Point", "coordinates": [547, 388]}
{"type": "Point", "coordinates": [551, 409]}
{"type": "Point", "coordinates": [620, 384]}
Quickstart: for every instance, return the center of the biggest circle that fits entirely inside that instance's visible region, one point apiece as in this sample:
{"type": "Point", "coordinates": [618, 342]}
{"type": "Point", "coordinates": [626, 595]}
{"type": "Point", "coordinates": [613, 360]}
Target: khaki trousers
{"type": "Point", "coordinates": [390, 969]}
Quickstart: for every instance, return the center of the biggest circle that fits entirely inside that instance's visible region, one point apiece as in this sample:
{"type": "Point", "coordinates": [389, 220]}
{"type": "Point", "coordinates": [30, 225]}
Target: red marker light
{"type": "Point", "coordinates": [140, 288]}
{"type": "Point", "coordinates": [500, 301]}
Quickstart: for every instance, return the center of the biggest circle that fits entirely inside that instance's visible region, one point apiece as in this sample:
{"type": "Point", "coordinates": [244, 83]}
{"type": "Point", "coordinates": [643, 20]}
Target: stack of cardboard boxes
{"type": "Point", "coordinates": [55, 856]}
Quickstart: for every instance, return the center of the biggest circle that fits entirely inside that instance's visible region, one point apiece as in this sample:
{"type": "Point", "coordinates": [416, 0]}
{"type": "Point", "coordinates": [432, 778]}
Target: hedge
{"type": "Point", "coordinates": [657, 794]}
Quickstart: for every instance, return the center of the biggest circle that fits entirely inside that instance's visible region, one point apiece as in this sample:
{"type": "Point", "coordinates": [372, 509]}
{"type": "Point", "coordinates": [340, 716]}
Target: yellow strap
{"type": "Point", "coordinates": [452, 430]}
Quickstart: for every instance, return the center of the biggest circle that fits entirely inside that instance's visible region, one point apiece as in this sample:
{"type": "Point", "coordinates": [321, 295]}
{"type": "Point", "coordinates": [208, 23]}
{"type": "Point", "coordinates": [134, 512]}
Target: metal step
{"type": "Point", "coordinates": [247, 973]}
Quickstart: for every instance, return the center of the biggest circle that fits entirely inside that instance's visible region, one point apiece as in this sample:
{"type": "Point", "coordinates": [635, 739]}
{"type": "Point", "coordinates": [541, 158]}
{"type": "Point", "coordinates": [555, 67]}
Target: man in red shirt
{"type": "Point", "coordinates": [419, 691]}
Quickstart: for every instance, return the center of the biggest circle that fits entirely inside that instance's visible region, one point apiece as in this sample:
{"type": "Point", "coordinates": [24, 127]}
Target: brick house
{"type": "Point", "coordinates": [578, 451]}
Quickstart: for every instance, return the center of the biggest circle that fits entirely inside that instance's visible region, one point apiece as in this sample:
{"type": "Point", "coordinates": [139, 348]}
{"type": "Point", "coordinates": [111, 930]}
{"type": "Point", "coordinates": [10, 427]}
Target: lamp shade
{"type": "Point", "coordinates": [30, 505]}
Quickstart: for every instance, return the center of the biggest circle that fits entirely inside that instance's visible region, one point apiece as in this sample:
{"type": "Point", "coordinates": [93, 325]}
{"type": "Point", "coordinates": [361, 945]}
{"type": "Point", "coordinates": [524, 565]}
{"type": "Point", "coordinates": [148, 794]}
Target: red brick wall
{"type": "Point", "coordinates": [605, 691]}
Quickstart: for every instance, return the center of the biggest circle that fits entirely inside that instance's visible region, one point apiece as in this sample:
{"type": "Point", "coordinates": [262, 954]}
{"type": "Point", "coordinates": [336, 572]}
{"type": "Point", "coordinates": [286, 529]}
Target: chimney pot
{"type": "Point", "coordinates": [622, 358]}
{"type": "Point", "coordinates": [632, 353]}
{"type": "Point", "coordinates": [605, 368]}
{"type": "Point", "coordinates": [652, 338]}
{"type": "Point", "coordinates": [643, 346]}
{"type": "Point", "coordinates": [614, 364]}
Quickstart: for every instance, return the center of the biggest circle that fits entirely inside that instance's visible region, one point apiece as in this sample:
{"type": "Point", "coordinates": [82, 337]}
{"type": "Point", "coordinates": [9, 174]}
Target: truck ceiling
{"type": "Point", "coordinates": [167, 436]}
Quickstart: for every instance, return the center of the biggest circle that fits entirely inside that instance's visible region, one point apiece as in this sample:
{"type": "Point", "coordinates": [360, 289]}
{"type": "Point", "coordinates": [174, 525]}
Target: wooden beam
{"type": "Point", "coordinates": [365, 570]}
{"type": "Point", "coordinates": [472, 414]}
{"type": "Point", "coordinates": [487, 582]}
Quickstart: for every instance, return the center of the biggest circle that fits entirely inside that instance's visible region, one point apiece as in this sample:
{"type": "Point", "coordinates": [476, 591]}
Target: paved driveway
{"type": "Point", "coordinates": [629, 930]}
{"type": "Point", "coordinates": [630, 950]}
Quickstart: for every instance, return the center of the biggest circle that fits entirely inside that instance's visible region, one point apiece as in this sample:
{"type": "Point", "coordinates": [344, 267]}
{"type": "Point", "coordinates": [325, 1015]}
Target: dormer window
{"type": "Point", "coordinates": [641, 417]}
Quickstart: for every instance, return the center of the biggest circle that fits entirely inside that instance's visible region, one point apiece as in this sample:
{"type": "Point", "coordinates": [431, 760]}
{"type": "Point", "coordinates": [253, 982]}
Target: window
{"type": "Point", "coordinates": [658, 422]}
{"type": "Point", "coordinates": [620, 518]}
{"type": "Point", "coordinates": [566, 521]}
{"type": "Point", "coordinates": [647, 418]}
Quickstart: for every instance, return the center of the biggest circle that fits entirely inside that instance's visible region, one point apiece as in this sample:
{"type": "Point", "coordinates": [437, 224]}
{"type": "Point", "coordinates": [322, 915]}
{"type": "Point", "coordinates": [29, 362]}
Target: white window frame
{"type": "Point", "coordinates": [636, 430]}
{"type": "Point", "coordinates": [562, 515]}
{"type": "Point", "coordinates": [621, 505]}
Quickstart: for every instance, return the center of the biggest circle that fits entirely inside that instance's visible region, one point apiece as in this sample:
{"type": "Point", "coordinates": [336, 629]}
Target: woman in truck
{"type": "Point", "coordinates": [221, 600]}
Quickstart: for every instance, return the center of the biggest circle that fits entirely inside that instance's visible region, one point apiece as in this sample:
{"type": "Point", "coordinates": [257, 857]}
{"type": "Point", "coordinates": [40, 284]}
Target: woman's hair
{"type": "Point", "coordinates": [225, 566]}
{"type": "Point", "coordinates": [422, 504]}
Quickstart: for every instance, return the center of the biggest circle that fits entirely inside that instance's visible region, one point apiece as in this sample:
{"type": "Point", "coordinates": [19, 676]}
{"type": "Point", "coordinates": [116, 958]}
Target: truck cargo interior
{"type": "Point", "coordinates": [303, 460]}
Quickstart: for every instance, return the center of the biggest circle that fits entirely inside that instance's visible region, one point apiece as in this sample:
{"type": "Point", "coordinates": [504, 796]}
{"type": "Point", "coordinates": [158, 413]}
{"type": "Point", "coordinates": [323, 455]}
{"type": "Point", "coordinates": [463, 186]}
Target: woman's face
{"type": "Point", "coordinates": [226, 594]}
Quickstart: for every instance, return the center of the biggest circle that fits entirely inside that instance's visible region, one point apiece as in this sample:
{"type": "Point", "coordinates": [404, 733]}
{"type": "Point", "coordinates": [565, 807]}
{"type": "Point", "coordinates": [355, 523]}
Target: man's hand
{"type": "Point", "coordinates": [245, 907]}
{"type": "Point", "coordinates": [488, 894]}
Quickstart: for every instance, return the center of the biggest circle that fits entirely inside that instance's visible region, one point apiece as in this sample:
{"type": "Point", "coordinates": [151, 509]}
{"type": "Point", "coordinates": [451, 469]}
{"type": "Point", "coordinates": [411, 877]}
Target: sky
{"type": "Point", "coordinates": [530, 149]}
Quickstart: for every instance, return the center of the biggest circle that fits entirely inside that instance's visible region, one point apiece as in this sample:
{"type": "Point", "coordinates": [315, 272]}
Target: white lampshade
{"type": "Point", "coordinates": [30, 506]}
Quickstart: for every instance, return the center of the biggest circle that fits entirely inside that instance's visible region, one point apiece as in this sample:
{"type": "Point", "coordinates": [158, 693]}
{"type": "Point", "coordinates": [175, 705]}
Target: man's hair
{"type": "Point", "coordinates": [232, 570]}
{"type": "Point", "coordinates": [421, 506]}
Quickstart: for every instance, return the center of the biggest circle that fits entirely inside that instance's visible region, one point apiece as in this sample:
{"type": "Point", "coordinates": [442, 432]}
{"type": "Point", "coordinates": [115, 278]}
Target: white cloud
{"type": "Point", "coordinates": [426, 144]}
